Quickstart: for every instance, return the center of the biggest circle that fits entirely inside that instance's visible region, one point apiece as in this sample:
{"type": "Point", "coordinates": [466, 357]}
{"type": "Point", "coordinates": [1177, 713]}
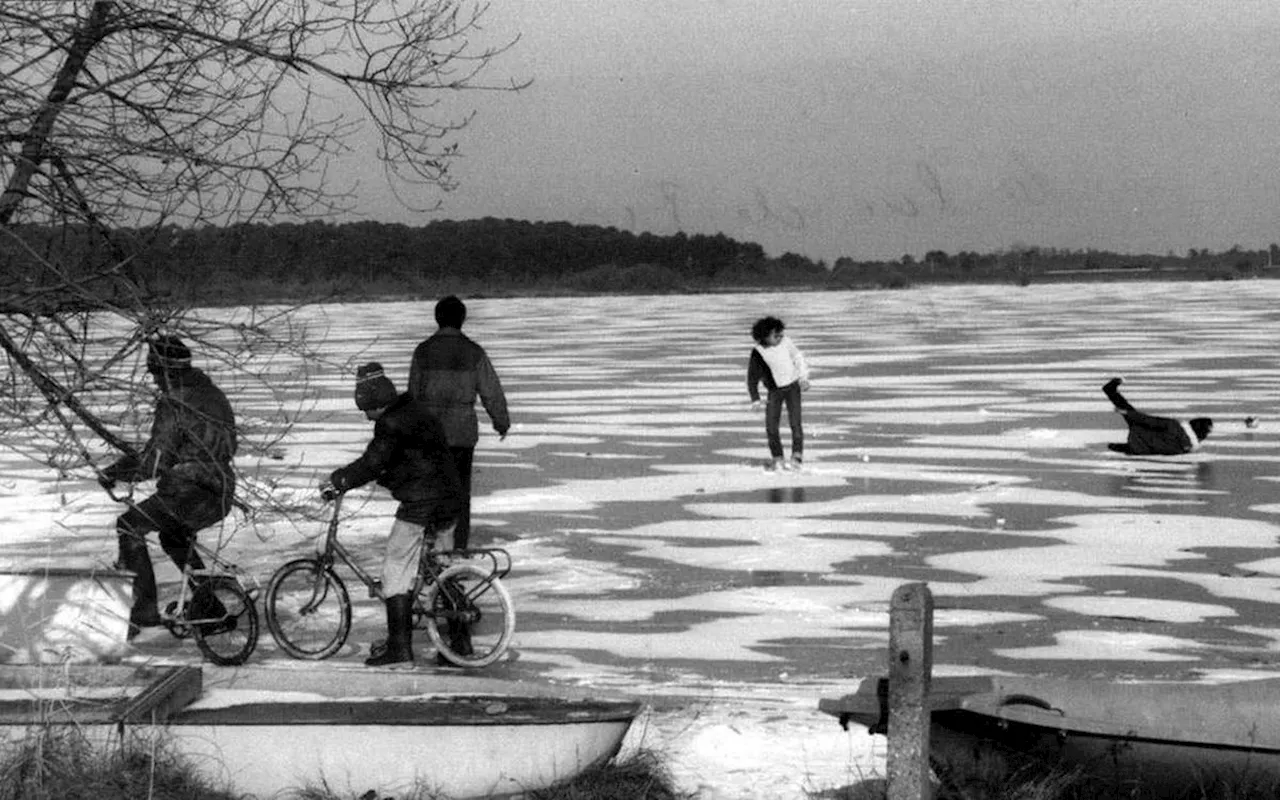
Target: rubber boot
{"type": "Point", "coordinates": [398, 649]}
{"type": "Point", "coordinates": [456, 632]}
{"type": "Point", "coordinates": [1112, 391]}
{"type": "Point", "coordinates": [135, 559]}
{"type": "Point", "coordinates": [206, 605]}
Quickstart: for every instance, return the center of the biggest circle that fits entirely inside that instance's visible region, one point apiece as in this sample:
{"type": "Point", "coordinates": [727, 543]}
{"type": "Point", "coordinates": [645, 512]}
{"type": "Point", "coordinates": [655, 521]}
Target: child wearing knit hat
{"type": "Point", "coordinates": [374, 390]}
{"type": "Point", "coordinates": [409, 455]}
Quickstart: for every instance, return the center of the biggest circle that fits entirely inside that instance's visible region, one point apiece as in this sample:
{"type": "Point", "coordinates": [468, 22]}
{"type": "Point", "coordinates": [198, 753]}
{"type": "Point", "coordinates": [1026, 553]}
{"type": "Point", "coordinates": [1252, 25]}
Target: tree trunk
{"type": "Point", "coordinates": [35, 142]}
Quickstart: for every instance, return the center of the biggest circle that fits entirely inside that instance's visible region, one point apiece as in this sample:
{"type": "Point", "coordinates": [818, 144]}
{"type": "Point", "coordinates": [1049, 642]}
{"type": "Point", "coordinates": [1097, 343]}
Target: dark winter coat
{"type": "Point", "coordinates": [1157, 436]}
{"type": "Point", "coordinates": [193, 437]}
{"type": "Point", "coordinates": [447, 373]}
{"type": "Point", "coordinates": [409, 455]}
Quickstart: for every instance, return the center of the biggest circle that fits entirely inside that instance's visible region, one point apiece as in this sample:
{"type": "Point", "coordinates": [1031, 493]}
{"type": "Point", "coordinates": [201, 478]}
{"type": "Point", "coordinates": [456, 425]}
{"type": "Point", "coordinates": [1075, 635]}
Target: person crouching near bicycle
{"type": "Point", "coordinates": [193, 439]}
{"type": "Point", "coordinates": [409, 455]}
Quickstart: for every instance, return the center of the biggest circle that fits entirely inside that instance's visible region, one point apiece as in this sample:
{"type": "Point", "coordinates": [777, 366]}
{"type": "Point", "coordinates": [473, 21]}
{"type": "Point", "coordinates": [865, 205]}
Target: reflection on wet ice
{"type": "Point", "coordinates": [788, 494]}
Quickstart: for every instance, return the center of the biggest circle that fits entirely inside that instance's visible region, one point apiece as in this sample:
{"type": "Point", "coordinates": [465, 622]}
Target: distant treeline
{"type": "Point", "coordinates": [361, 260]}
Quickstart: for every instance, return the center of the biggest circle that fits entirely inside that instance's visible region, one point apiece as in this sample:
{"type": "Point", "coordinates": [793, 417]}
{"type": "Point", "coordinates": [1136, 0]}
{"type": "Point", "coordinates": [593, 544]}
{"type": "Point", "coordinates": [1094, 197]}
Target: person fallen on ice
{"type": "Point", "coordinates": [193, 439]}
{"type": "Point", "coordinates": [1155, 436]}
{"type": "Point", "coordinates": [409, 455]}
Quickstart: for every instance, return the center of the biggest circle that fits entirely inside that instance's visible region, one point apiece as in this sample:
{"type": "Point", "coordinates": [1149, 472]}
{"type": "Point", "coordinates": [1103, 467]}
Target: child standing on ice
{"type": "Point", "coordinates": [779, 364]}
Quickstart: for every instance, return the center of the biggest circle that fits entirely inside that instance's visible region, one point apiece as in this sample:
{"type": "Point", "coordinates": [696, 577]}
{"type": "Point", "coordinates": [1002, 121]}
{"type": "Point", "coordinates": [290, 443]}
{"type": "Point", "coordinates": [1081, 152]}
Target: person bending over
{"type": "Point", "coordinates": [776, 362]}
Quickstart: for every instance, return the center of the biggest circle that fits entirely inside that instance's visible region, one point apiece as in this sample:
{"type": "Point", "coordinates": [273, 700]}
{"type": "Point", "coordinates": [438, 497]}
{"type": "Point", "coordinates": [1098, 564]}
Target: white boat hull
{"type": "Point", "coordinates": [268, 731]}
{"type": "Point", "coordinates": [398, 761]}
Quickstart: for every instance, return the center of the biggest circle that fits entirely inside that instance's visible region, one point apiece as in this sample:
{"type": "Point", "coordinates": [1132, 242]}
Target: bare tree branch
{"type": "Point", "coordinates": [121, 119]}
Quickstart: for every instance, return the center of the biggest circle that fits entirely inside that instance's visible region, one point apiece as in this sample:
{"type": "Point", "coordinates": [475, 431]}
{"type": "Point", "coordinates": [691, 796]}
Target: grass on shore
{"type": "Point", "coordinates": [59, 763]}
{"type": "Point", "coordinates": [1035, 781]}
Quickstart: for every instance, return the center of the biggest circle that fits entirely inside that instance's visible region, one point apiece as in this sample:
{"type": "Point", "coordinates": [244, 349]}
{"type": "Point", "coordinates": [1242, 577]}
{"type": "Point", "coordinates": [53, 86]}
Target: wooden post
{"type": "Point", "coordinates": [910, 670]}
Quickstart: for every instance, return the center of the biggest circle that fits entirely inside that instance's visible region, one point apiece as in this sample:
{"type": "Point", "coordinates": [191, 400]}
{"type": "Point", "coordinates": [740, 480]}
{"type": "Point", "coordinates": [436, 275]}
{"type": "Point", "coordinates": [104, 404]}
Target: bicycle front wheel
{"type": "Point", "coordinates": [470, 618]}
{"type": "Point", "coordinates": [228, 640]}
{"type": "Point", "coordinates": [308, 609]}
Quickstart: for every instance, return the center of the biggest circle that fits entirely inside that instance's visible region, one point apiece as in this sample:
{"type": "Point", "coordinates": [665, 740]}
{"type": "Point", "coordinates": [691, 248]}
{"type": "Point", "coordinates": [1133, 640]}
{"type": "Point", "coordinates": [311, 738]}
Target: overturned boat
{"type": "Point", "coordinates": [267, 731]}
{"type": "Point", "coordinates": [1124, 734]}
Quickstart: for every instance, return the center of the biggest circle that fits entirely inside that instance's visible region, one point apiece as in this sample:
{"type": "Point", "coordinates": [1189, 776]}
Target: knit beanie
{"type": "Point", "coordinates": [373, 388]}
{"type": "Point", "coordinates": [1201, 427]}
{"type": "Point", "coordinates": [168, 353]}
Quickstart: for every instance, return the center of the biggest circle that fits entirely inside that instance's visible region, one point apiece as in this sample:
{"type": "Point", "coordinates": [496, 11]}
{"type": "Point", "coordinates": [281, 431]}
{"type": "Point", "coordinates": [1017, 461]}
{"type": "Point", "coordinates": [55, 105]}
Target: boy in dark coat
{"type": "Point", "coordinates": [409, 455]}
{"type": "Point", "coordinates": [1155, 436]}
{"type": "Point", "coordinates": [193, 439]}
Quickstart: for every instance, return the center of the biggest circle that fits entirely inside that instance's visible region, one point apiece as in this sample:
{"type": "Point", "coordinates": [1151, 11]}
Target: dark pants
{"type": "Point", "coordinates": [790, 395]}
{"type": "Point", "coordinates": [176, 513]}
{"type": "Point", "coordinates": [462, 459]}
{"type": "Point", "coordinates": [1118, 400]}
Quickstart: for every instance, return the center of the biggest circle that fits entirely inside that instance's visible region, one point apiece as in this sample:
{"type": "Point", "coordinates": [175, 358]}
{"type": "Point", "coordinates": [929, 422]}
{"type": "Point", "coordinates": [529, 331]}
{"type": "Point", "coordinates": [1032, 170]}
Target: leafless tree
{"type": "Point", "coordinates": [119, 119]}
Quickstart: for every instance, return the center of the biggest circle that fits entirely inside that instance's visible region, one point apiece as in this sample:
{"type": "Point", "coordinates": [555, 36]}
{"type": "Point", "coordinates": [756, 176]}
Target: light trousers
{"type": "Point", "coordinates": [404, 551]}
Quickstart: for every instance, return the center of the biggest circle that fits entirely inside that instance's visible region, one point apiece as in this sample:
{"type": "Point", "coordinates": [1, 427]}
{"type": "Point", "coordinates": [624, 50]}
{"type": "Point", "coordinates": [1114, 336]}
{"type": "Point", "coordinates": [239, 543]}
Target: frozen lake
{"type": "Point", "coordinates": [954, 435]}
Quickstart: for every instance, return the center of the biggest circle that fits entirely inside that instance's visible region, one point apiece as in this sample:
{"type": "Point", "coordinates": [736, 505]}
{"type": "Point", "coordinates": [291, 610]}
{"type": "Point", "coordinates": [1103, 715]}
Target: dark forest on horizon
{"type": "Point", "coordinates": [250, 263]}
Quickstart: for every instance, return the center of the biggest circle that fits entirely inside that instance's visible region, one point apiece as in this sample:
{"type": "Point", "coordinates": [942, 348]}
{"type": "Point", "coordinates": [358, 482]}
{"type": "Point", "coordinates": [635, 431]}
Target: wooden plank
{"type": "Point", "coordinates": [176, 688]}
{"type": "Point", "coordinates": [38, 676]}
{"type": "Point", "coordinates": [910, 671]}
{"type": "Point", "coordinates": [491, 711]}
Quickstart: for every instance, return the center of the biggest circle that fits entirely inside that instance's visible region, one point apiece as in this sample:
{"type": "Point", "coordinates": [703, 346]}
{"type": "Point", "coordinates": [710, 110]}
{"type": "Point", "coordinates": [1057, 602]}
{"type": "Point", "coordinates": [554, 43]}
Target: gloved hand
{"type": "Point", "coordinates": [328, 491]}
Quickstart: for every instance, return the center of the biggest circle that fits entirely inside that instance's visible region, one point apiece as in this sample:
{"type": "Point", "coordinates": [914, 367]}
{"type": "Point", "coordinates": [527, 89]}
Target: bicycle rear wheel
{"type": "Point", "coordinates": [308, 610]}
{"type": "Point", "coordinates": [467, 599]}
{"type": "Point", "coordinates": [229, 640]}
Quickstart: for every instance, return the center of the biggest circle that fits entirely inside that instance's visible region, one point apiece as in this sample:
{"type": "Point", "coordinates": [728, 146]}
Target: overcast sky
{"type": "Point", "coordinates": [877, 128]}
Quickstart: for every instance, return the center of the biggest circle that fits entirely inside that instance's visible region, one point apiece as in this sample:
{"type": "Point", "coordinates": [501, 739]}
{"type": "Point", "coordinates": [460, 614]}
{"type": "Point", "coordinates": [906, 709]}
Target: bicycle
{"type": "Point", "coordinates": [308, 608]}
{"type": "Point", "coordinates": [227, 639]}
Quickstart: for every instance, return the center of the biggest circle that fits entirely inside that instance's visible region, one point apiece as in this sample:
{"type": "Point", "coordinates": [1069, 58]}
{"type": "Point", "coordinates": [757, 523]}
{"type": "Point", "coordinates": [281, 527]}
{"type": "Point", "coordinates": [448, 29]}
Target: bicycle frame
{"type": "Point", "coordinates": [432, 563]}
{"type": "Point", "coordinates": [457, 602]}
{"type": "Point", "coordinates": [215, 567]}
{"type": "Point", "coordinates": [333, 551]}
